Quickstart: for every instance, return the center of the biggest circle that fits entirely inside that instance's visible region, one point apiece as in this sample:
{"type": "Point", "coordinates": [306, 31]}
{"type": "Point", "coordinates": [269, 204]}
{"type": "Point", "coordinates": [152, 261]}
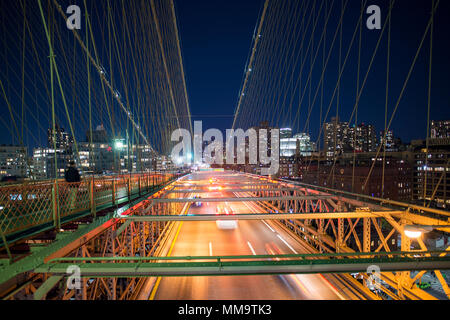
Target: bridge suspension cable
{"type": "Point", "coordinates": [122, 86]}
{"type": "Point", "coordinates": [301, 67]}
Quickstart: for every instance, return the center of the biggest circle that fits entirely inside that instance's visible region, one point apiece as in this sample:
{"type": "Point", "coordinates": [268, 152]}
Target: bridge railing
{"type": "Point", "coordinates": [437, 213]}
{"type": "Point", "coordinates": [397, 205]}
{"type": "Point", "coordinates": [49, 203]}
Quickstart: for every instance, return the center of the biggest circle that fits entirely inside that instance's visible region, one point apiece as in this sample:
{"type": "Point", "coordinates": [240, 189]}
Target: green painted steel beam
{"type": "Point", "coordinates": [39, 228]}
{"type": "Point", "coordinates": [337, 256]}
{"type": "Point", "coordinates": [254, 217]}
{"type": "Point", "coordinates": [123, 227]}
{"type": "Point", "coordinates": [259, 267]}
{"type": "Point", "coordinates": [48, 285]}
{"type": "Point", "coordinates": [37, 258]}
{"type": "Point", "coordinates": [42, 227]}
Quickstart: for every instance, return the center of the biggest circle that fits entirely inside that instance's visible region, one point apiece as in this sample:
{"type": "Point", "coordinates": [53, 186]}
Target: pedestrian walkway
{"type": "Point", "coordinates": [435, 286]}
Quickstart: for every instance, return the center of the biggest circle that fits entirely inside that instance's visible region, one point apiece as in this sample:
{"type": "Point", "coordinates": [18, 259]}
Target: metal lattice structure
{"type": "Point", "coordinates": [82, 234]}
{"type": "Point", "coordinates": [339, 230]}
{"type": "Point", "coordinates": [47, 203]}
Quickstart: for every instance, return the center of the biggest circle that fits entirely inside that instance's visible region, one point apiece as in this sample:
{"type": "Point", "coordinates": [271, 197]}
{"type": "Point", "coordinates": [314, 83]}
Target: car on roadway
{"type": "Point", "coordinates": [225, 210]}
{"type": "Point", "coordinates": [197, 203]}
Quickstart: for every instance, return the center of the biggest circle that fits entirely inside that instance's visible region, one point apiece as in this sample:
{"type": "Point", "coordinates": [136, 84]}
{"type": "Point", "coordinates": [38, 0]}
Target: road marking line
{"type": "Point", "coordinates": [245, 203]}
{"type": "Point", "coordinates": [210, 249]}
{"type": "Point", "coordinates": [253, 210]}
{"type": "Point", "coordinates": [297, 280]}
{"type": "Point", "coordinates": [289, 246]}
{"type": "Point", "coordinates": [268, 226]}
{"type": "Point", "coordinates": [328, 283]}
{"type": "Point", "coordinates": [251, 248]}
{"type": "Point", "coordinates": [158, 281]}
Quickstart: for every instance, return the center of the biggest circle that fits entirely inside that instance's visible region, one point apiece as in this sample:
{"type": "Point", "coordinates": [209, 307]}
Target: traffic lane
{"type": "Point", "coordinates": [321, 284]}
{"type": "Point", "coordinates": [204, 178]}
{"type": "Point", "coordinates": [203, 239]}
{"type": "Point", "coordinates": [251, 237]}
{"type": "Point", "coordinates": [264, 234]}
{"type": "Point", "coordinates": [328, 290]}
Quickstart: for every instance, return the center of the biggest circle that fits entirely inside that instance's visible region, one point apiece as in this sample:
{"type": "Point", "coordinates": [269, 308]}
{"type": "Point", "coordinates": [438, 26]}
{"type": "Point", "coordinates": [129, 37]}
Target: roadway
{"type": "Point", "coordinates": [249, 238]}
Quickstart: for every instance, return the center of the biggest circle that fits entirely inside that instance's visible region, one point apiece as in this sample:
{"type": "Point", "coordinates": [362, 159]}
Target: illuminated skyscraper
{"type": "Point", "coordinates": [440, 129]}
{"type": "Point", "coordinates": [59, 138]}
{"type": "Point", "coordinates": [340, 138]}
{"type": "Point", "coordinates": [337, 137]}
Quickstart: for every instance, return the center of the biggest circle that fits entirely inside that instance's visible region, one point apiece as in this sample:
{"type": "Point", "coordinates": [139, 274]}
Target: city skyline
{"type": "Point", "coordinates": [225, 151]}
{"type": "Point", "coordinates": [206, 60]}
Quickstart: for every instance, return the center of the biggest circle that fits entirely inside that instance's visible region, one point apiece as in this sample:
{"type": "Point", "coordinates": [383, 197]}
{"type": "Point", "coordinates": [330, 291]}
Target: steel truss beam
{"type": "Point", "coordinates": [250, 199]}
{"type": "Point", "coordinates": [247, 265]}
{"type": "Point", "coordinates": [315, 221]}
{"type": "Point", "coordinates": [323, 235]}
{"type": "Point", "coordinates": [253, 189]}
{"type": "Point", "coordinates": [253, 216]}
{"type": "Point", "coordinates": [105, 236]}
{"type": "Point", "coordinates": [365, 198]}
{"type": "Point", "coordinates": [46, 287]}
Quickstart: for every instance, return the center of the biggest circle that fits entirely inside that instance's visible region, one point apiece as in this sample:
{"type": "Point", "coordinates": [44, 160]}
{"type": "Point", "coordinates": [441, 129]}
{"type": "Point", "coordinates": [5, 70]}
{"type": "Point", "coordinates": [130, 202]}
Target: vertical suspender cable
{"type": "Point", "coordinates": [384, 141]}
{"type": "Point", "coordinates": [357, 103]}
{"type": "Point", "coordinates": [249, 67]}
{"type": "Point", "coordinates": [429, 106]}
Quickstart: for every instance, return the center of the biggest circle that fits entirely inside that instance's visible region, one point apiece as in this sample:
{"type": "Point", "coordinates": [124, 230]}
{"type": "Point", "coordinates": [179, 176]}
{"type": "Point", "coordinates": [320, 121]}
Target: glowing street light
{"type": "Point", "coordinates": [119, 145]}
{"type": "Point", "coordinates": [413, 234]}
{"type": "Point", "coordinates": [416, 231]}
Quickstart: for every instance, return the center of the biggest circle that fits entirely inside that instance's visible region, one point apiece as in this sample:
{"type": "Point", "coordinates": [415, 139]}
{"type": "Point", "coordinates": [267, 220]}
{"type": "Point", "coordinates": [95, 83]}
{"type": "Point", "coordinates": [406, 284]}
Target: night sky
{"type": "Point", "coordinates": [216, 39]}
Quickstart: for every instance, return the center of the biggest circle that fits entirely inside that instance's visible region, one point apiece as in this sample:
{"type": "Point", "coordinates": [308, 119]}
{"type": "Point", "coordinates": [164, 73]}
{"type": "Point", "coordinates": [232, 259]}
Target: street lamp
{"type": "Point", "coordinates": [119, 145]}
{"type": "Point", "coordinates": [416, 231]}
